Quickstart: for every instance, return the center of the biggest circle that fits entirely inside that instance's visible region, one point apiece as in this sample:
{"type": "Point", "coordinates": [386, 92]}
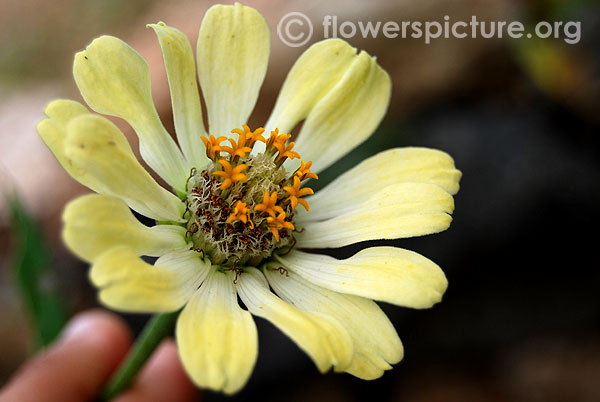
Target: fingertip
{"type": "Point", "coordinates": [76, 365]}
{"type": "Point", "coordinates": [105, 330]}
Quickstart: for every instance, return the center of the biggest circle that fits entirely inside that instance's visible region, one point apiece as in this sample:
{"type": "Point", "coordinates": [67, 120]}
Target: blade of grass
{"type": "Point", "coordinates": [32, 272]}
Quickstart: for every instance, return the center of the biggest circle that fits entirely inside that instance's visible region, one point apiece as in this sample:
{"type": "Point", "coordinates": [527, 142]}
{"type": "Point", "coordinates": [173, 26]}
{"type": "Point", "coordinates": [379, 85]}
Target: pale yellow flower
{"type": "Point", "coordinates": [212, 242]}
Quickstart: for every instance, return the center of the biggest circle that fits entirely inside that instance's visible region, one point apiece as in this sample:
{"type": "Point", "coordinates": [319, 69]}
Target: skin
{"type": "Point", "coordinates": [76, 367]}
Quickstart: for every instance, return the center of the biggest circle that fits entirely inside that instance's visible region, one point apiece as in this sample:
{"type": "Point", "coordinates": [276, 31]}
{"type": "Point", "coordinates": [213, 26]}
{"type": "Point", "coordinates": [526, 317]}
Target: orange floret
{"type": "Point", "coordinates": [275, 224]}
{"type": "Point", "coordinates": [251, 136]}
{"type": "Point", "coordinates": [304, 172]}
{"type": "Point", "coordinates": [213, 146]}
{"type": "Point", "coordinates": [241, 212]}
{"type": "Point", "coordinates": [296, 192]}
{"type": "Point", "coordinates": [229, 174]}
{"type": "Point", "coordinates": [268, 204]}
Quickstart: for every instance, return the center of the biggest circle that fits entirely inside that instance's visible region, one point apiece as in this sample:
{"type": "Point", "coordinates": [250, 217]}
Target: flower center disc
{"type": "Point", "coordinates": [241, 207]}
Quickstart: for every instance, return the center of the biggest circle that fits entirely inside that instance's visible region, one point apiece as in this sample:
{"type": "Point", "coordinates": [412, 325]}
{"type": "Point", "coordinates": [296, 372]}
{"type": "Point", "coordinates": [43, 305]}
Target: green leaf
{"type": "Point", "coordinates": [32, 272]}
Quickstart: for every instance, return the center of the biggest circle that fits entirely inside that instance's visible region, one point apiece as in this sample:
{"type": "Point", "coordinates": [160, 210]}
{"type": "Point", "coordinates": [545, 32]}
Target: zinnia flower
{"type": "Point", "coordinates": [239, 215]}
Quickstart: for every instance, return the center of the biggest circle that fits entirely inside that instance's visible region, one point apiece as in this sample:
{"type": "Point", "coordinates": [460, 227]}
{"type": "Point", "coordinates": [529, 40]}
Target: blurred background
{"type": "Point", "coordinates": [521, 318]}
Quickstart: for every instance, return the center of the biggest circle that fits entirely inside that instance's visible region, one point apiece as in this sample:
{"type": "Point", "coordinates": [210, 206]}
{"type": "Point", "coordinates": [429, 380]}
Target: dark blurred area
{"type": "Point", "coordinates": [521, 318]}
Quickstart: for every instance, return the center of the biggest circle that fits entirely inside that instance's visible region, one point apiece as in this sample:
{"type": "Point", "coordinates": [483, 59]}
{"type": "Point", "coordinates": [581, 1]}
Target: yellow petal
{"type": "Point", "coordinates": [398, 165]}
{"type": "Point", "coordinates": [397, 211]}
{"type": "Point", "coordinates": [388, 274]}
{"type": "Point", "coordinates": [313, 75]}
{"type": "Point", "coordinates": [102, 155]}
{"type": "Point", "coordinates": [376, 343]}
{"type": "Point", "coordinates": [53, 131]}
{"type": "Point", "coordinates": [127, 283]}
{"type": "Point", "coordinates": [96, 223]}
{"type": "Point", "coordinates": [320, 336]}
{"type": "Point", "coordinates": [217, 340]}
{"type": "Point", "coordinates": [114, 79]}
{"type": "Point", "coordinates": [233, 53]}
{"type": "Point", "coordinates": [185, 98]}
{"type": "Point", "coordinates": [347, 115]}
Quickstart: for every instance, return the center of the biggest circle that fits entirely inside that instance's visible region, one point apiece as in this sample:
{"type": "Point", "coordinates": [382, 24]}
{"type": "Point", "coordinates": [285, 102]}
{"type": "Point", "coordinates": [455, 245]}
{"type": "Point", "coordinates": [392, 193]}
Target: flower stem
{"type": "Point", "coordinates": [159, 327]}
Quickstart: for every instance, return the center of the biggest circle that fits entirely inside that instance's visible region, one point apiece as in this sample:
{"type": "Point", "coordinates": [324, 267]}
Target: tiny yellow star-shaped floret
{"type": "Point", "coordinates": [251, 136]}
{"type": "Point", "coordinates": [296, 192]}
{"type": "Point", "coordinates": [304, 172]}
{"type": "Point", "coordinates": [229, 174]}
{"type": "Point", "coordinates": [213, 146]}
{"type": "Point", "coordinates": [285, 151]}
{"type": "Point", "coordinates": [268, 204]}
{"type": "Point", "coordinates": [271, 140]}
{"type": "Point", "coordinates": [275, 138]}
{"type": "Point", "coordinates": [282, 138]}
{"type": "Point", "coordinates": [275, 224]}
{"type": "Point", "coordinates": [241, 212]}
{"type": "Point", "coordinates": [238, 149]}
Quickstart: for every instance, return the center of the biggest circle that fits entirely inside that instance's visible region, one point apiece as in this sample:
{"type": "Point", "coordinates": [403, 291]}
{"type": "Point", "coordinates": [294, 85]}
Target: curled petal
{"type": "Point", "coordinates": [388, 274]}
{"type": "Point", "coordinates": [217, 340]}
{"type": "Point", "coordinates": [376, 343]}
{"type": "Point", "coordinates": [115, 80]}
{"type": "Point", "coordinates": [102, 155]}
{"type": "Point", "coordinates": [322, 337]}
{"type": "Point", "coordinates": [397, 211]}
{"type": "Point", "coordinates": [127, 283]}
{"type": "Point", "coordinates": [95, 223]}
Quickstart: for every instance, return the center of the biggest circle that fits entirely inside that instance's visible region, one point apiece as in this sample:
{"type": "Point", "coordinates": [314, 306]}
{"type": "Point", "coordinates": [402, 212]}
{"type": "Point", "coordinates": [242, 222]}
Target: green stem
{"type": "Point", "coordinates": [159, 327]}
